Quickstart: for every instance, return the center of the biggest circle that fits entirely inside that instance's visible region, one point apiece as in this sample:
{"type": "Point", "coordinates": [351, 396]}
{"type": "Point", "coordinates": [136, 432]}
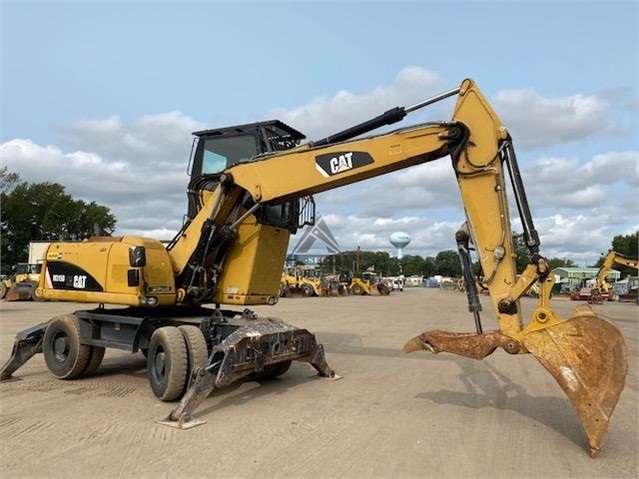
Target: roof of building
{"type": "Point", "coordinates": [582, 272]}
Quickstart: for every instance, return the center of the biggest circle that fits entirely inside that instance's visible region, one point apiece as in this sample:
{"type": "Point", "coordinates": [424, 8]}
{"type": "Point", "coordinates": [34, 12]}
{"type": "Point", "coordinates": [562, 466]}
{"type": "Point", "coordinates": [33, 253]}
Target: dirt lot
{"type": "Point", "coordinates": [391, 416]}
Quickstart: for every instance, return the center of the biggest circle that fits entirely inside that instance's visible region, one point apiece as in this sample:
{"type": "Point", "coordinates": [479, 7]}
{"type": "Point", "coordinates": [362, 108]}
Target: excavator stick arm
{"type": "Point", "coordinates": [585, 354]}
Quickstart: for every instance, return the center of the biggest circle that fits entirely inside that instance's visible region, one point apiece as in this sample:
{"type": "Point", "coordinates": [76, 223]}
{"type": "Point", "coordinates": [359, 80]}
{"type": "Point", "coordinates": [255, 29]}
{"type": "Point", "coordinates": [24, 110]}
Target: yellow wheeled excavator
{"type": "Point", "coordinates": [251, 187]}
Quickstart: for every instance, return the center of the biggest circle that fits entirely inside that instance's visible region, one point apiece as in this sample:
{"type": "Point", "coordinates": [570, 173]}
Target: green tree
{"type": "Point", "coordinates": [430, 267]}
{"type": "Point", "coordinates": [447, 263]}
{"type": "Point", "coordinates": [412, 265]}
{"type": "Point", "coordinates": [380, 261]}
{"type": "Point", "coordinates": [43, 211]}
{"type": "Point", "coordinates": [8, 180]}
{"type": "Point", "coordinates": [627, 245]}
{"type": "Point", "coordinates": [561, 263]}
{"type": "Point", "coordinates": [522, 252]}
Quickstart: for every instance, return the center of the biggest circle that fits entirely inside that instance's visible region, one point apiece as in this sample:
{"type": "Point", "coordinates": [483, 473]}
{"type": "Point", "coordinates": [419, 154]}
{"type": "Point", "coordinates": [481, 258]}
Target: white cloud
{"type": "Point", "coordinates": [155, 140]}
{"type": "Point", "coordinates": [606, 178]}
{"type": "Point", "coordinates": [535, 121]}
{"type": "Point", "coordinates": [324, 116]}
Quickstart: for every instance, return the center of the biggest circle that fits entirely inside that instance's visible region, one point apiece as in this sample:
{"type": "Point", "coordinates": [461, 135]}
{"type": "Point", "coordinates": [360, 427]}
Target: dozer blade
{"type": "Point", "coordinates": [587, 356]}
{"type": "Point", "coordinates": [381, 289]}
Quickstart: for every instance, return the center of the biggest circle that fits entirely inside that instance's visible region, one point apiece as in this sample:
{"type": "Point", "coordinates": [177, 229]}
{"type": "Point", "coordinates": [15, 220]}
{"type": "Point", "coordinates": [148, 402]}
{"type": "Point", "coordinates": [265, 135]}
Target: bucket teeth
{"type": "Point", "coordinates": [471, 345]}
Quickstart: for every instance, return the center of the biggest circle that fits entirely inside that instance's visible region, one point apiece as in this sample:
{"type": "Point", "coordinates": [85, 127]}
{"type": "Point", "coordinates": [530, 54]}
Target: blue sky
{"type": "Point", "coordinates": [86, 83]}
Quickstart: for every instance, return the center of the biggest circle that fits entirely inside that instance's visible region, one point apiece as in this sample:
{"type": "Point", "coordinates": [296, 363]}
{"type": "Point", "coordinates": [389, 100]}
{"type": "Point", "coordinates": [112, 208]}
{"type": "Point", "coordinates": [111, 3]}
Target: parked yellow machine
{"type": "Point", "coordinates": [345, 283]}
{"type": "Point", "coordinates": [23, 285]}
{"type": "Point", "coordinates": [250, 190]}
{"type": "Point", "coordinates": [301, 281]}
{"type": "Point", "coordinates": [5, 285]}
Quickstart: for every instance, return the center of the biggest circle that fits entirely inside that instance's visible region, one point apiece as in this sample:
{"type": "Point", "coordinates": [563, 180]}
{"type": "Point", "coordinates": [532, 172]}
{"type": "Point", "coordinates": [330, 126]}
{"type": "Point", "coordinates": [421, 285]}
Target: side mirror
{"type": "Point", "coordinates": [137, 257]}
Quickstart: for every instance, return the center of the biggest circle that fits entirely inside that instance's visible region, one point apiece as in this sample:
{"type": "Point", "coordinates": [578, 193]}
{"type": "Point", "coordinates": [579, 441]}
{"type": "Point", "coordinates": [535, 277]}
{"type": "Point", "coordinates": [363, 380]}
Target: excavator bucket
{"type": "Point", "coordinates": [19, 292]}
{"type": "Point", "coordinates": [587, 356]}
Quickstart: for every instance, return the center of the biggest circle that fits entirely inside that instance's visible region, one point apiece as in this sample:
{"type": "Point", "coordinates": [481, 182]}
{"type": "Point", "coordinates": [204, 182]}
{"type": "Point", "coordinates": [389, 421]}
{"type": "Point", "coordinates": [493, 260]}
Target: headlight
{"type": "Point", "coordinates": [150, 301]}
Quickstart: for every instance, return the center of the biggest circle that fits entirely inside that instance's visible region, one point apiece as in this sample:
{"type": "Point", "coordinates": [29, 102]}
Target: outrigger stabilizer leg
{"type": "Point", "coordinates": [230, 362]}
{"type": "Point", "coordinates": [27, 344]}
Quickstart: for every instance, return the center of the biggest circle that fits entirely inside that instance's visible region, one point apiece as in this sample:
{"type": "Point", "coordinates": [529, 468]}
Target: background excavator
{"type": "Point", "coordinates": [251, 187]}
{"type": "Point", "coordinates": [601, 289]}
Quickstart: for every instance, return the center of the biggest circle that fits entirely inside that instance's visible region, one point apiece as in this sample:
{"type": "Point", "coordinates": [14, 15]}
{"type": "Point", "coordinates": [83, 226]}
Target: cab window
{"type": "Point", "coordinates": [221, 153]}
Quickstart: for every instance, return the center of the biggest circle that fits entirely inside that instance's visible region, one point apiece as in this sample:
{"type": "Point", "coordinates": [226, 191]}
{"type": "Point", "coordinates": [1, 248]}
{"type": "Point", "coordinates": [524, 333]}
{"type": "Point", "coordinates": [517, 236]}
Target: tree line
{"type": "Point", "coordinates": [446, 263]}
{"type": "Point", "coordinates": [43, 211]}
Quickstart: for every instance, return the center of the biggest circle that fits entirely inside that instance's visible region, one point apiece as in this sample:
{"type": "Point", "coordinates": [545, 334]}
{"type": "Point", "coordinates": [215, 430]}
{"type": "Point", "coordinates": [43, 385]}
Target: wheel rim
{"type": "Point", "coordinates": [159, 364]}
{"type": "Point", "coordinates": [61, 347]}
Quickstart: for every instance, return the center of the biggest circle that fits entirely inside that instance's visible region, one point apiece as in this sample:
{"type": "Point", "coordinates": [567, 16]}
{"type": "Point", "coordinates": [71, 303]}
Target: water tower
{"type": "Point", "coordinates": [399, 240]}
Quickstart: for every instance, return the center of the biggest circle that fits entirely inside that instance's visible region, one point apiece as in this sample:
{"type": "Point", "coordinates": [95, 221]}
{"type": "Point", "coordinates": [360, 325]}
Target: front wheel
{"type": "Point", "coordinates": [32, 292]}
{"type": "Point", "coordinates": [167, 363]}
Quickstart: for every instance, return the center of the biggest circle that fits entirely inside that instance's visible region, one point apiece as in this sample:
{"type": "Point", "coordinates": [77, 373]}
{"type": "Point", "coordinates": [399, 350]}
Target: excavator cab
{"type": "Point", "coordinates": [263, 230]}
{"type": "Point", "coordinates": [216, 150]}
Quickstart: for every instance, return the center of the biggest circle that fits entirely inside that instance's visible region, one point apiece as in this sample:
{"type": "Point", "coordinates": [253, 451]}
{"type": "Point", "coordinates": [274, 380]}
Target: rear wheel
{"type": "Point", "coordinates": [196, 348]}
{"type": "Point", "coordinates": [357, 290]}
{"type": "Point", "coordinates": [3, 290]}
{"type": "Point", "coordinates": [65, 357]}
{"type": "Point", "coordinates": [95, 359]}
{"type": "Point", "coordinates": [167, 363]}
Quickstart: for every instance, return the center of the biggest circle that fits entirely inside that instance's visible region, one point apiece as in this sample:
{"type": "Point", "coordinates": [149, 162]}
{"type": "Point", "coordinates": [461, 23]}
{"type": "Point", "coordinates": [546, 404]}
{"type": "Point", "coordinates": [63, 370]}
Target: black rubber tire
{"type": "Point", "coordinates": [357, 290]}
{"type": "Point", "coordinates": [32, 292]}
{"type": "Point", "coordinates": [167, 363]}
{"type": "Point", "coordinates": [198, 352]}
{"type": "Point", "coordinates": [65, 357]}
{"type": "Point", "coordinates": [307, 290]}
{"type": "Point", "coordinates": [3, 290]}
{"type": "Point", "coordinates": [95, 359]}
{"type": "Point", "coordinates": [271, 371]}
